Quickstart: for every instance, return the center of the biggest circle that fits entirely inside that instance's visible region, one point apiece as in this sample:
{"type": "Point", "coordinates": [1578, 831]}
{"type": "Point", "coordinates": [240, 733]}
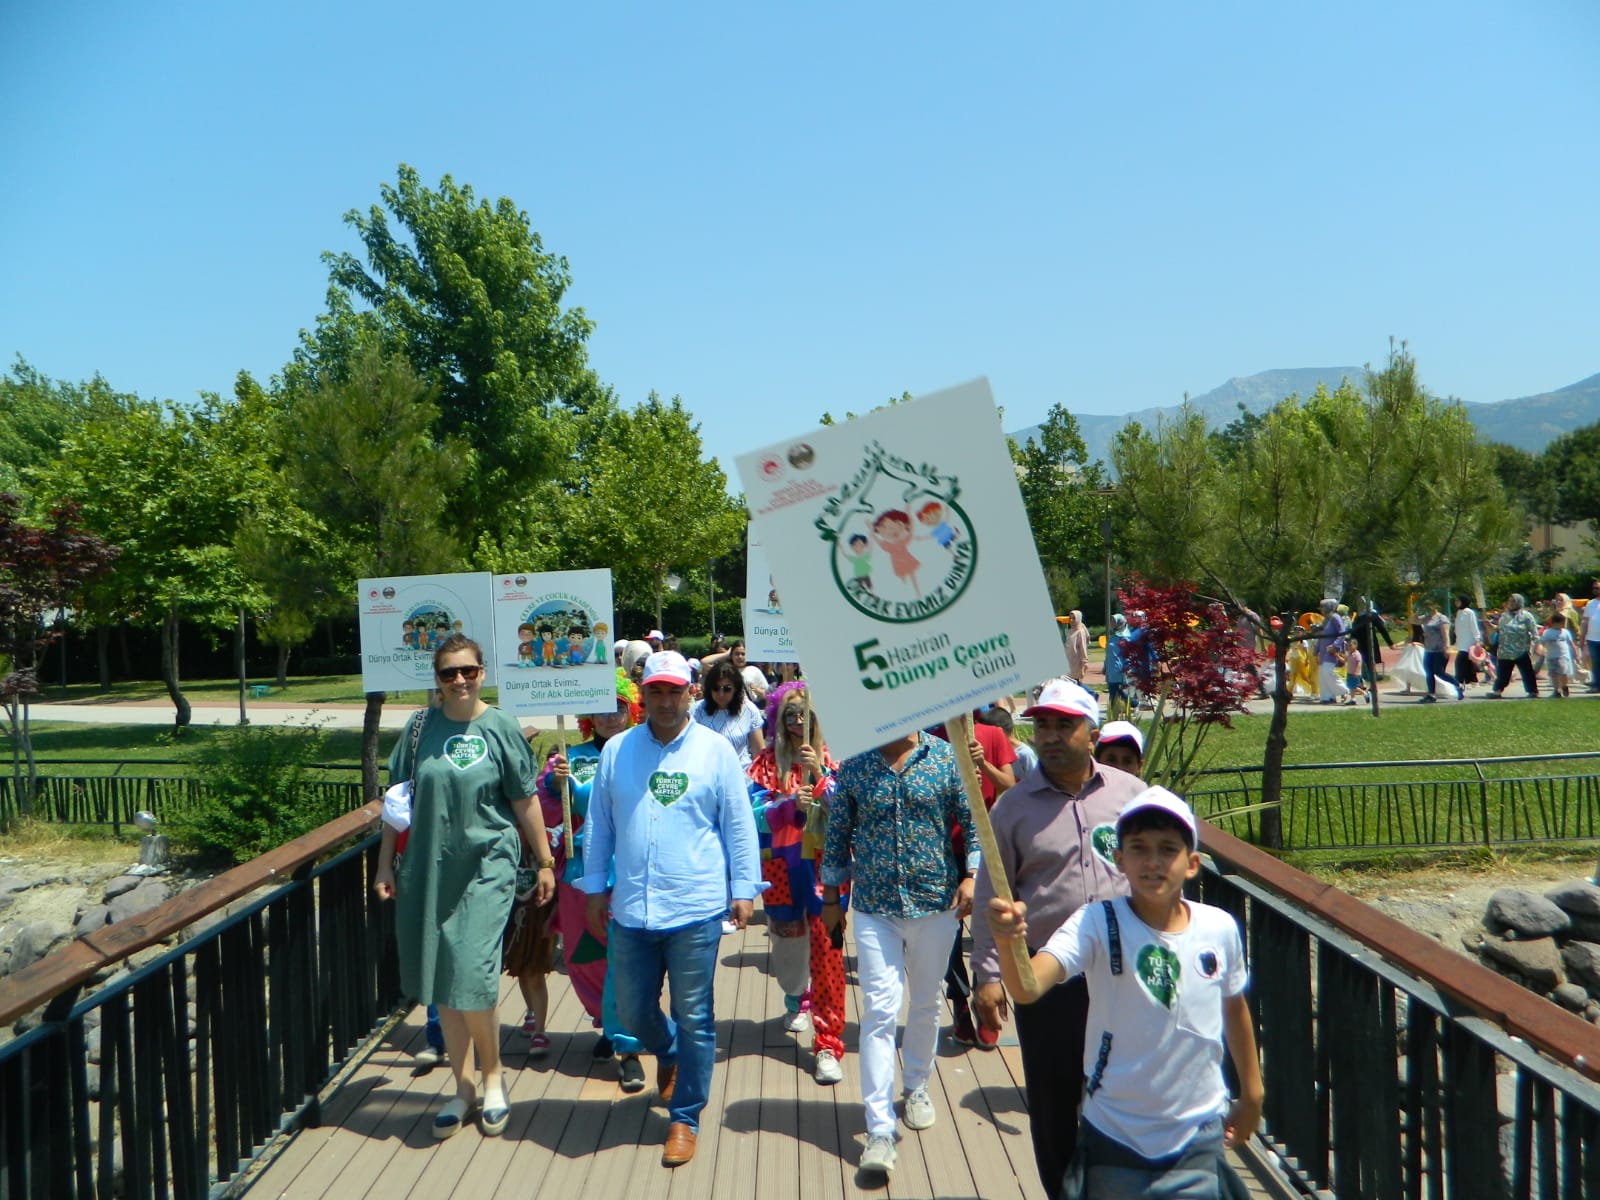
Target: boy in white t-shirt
{"type": "Point", "coordinates": [1166, 983]}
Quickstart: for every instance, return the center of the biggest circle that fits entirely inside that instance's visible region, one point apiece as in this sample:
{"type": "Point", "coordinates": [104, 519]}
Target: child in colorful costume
{"type": "Point", "coordinates": [790, 818]}
{"type": "Point", "coordinates": [583, 953]}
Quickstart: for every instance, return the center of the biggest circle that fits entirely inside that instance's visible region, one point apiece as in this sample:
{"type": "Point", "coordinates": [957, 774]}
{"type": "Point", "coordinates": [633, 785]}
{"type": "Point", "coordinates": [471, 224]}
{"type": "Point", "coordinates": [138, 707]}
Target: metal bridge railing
{"type": "Point", "coordinates": [1463, 803]}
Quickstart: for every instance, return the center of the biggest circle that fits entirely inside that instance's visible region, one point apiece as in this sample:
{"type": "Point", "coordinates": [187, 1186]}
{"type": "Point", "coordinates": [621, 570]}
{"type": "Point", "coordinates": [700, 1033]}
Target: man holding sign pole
{"type": "Point", "coordinates": [1055, 834]}
{"type": "Point", "coordinates": [889, 835]}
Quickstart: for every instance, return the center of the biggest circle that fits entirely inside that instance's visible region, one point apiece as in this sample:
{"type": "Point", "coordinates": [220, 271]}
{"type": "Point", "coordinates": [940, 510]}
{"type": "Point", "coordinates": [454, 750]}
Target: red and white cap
{"type": "Point", "coordinates": [655, 635]}
{"type": "Point", "coordinates": [1067, 699]}
{"type": "Point", "coordinates": [1159, 799]}
{"type": "Point", "coordinates": [666, 666]}
{"type": "Point", "coordinates": [1121, 731]}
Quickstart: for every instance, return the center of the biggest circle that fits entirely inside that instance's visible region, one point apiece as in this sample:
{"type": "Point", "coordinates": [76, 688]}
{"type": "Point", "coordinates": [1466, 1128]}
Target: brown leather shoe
{"type": "Point", "coordinates": [666, 1076]}
{"type": "Point", "coordinates": [680, 1145]}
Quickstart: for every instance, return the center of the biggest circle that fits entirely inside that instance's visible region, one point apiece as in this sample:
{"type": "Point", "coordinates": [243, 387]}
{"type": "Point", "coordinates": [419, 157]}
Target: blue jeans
{"type": "Point", "coordinates": [685, 958]}
{"type": "Point", "coordinates": [1114, 1172]}
{"type": "Point", "coordinates": [1594, 666]}
{"type": "Point", "coordinates": [622, 1041]}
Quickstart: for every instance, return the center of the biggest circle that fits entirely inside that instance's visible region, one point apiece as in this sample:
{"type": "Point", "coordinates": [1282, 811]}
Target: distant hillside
{"type": "Point", "coordinates": [1529, 422]}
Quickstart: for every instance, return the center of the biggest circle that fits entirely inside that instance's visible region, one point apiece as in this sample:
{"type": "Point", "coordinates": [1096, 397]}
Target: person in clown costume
{"type": "Point", "coordinates": [583, 953]}
{"type": "Point", "coordinates": [790, 781]}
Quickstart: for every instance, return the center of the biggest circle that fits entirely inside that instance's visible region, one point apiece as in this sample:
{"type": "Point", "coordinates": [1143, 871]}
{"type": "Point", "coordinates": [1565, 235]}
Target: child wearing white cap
{"type": "Point", "coordinates": [1166, 983]}
{"type": "Point", "coordinates": [1120, 745]}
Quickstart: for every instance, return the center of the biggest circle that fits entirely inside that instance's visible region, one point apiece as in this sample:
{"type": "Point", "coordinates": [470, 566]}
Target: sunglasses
{"type": "Point", "coordinates": [722, 687]}
{"type": "Point", "coordinates": [469, 673]}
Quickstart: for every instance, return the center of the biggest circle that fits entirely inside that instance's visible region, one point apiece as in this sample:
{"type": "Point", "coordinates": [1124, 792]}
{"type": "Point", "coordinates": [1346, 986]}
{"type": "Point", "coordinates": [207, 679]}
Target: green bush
{"type": "Point", "coordinates": [252, 797]}
{"type": "Point", "coordinates": [1536, 587]}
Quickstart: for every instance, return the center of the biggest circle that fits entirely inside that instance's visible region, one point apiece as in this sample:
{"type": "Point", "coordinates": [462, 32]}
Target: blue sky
{"type": "Point", "coordinates": [777, 210]}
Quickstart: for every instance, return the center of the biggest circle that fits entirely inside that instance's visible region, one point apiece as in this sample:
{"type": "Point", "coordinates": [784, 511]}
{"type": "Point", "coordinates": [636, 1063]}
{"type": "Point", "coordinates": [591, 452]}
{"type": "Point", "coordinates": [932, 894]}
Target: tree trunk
{"type": "Point", "coordinates": [102, 655]}
{"type": "Point", "coordinates": [369, 746]}
{"type": "Point", "coordinates": [122, 644]}
{"type": "Point", "coordinates": [238, 668]}
{"type": "Point", "coordinates": [327, 628]}
{"type": "Point", "coordinates": [1277, 743]}
{"type": "Point", "coordinates": [658, 573]}
{"type": "Point", "coordinates": [169, 669]}
{"type": "Point", "coordinates": [283, 665]}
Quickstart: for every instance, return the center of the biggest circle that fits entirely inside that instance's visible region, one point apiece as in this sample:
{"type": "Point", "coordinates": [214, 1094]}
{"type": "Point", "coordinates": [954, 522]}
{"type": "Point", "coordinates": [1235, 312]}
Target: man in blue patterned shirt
{"type": "Point", "coordinates": [889, 829]}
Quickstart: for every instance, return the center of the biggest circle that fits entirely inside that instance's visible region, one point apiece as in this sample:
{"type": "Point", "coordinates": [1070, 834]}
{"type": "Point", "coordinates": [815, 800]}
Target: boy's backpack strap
{"type": "Point", "coordinates": [1113, 936]}
{"type": "Point", "coordinates": [1100, 1062]}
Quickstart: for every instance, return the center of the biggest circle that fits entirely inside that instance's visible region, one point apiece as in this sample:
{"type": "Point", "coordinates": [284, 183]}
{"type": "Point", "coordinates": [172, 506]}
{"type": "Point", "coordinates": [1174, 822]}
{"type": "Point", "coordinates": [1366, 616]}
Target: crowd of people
{"type": "Point", "coordinates": [707, 790]}
{"type": "Point", "coordinates": [1341, 656]}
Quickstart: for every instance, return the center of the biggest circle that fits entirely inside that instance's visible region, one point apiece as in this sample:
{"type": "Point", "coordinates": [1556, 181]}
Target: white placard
{"type": "Point", "coordinates": [404, 619]}
{"type": "Point", "coordinates": [552, 642]}
{"type": "Point", "coordinates": [900, 546]}
{"type": "Point", "coordinates": [766, 629]}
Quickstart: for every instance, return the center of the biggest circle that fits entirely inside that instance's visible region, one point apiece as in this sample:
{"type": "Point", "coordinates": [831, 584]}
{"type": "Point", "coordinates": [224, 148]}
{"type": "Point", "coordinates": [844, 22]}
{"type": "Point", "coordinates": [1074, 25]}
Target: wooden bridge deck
{"type": "Point", "coordinates": [768, 1131]}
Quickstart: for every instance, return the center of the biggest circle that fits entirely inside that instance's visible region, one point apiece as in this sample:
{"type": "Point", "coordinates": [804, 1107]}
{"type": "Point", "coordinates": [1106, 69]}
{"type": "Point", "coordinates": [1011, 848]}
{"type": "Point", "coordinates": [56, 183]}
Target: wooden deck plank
{"type": "Point", "coordinates": [769, 1129]}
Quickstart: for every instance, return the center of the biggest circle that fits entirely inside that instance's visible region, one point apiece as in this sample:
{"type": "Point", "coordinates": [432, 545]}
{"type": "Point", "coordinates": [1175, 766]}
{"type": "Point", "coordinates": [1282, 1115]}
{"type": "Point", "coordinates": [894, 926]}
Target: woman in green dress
{"type": "Point", "coordinates": [472, 789]}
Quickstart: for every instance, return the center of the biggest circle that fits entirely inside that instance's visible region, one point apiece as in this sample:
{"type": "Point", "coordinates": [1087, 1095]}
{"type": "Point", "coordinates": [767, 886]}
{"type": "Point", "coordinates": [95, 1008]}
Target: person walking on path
{"type": "Point", "coordinates": [670, 822]}
{"type": "Point", "coordinates": [1516, 632]}
{"type": "Point", "coordinates": [1469, 636]}
{"type": "Point", "coordinates": [1075, 640]}
{"type": "Point", "coordinates": [1436, 652]}
{"type": "Point", "coordinates": [582, 951]}
{"type": "Point", "coordinates": [790, 778]}
{"type": "Point", "coordinates": [1055, 832]}
{"type": "Point", "coordinates": [1590, 635]}
{"type": "Point", "coordinates": [472, 792]}
{"type": "Point", "coordinates": [1166, 978]}
{"type": "Point", "coordinates": [1330, 654]}
{"type": "Point", "coordinates": [889, 836]}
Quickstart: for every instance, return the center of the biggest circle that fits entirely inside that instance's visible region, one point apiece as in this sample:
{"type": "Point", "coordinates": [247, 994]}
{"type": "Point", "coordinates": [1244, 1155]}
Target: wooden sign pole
{"type": "Point", "coordinates": [960, 730]}
{"type": "Point", "coordinates": [566, 788]}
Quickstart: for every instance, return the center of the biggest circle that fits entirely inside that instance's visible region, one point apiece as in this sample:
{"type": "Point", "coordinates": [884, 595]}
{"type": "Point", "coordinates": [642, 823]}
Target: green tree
{"type": "Point", "coordinates": [361, 453]}
{"type": "Point", "coordinates": [169, 485]}
{"type": "Point", "coordinates": [466, 292]}
{"type": "Point", "coordinates": [36, 413]}
{"type": "Point", "coordinates": [652, 501]}
{"type": "Point", "coordinates": [1066, 498]}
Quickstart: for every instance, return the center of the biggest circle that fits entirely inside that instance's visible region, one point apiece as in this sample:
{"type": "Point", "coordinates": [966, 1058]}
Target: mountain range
{"type": "Point", "coordinates": [1527, 422]}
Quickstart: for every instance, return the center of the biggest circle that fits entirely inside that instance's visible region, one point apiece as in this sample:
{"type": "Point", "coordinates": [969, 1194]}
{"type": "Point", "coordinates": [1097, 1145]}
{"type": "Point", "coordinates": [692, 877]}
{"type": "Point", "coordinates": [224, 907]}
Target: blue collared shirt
{"type": "Point", "coordinates": [889, 831]}
{"type": "Point", "coordinates": [674, 820]}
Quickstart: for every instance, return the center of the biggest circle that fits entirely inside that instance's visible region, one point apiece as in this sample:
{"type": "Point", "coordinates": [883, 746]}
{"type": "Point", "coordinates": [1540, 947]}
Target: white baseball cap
{"type": "Point", "coordinates": [655, 635]}
{"type": "Point", "coordinates": [1159, 799]}
{"type": "Point", "coordinates": [666, 666]}
{"type": "Point", "coordinates": [1122, 731]}
{"type": "Point", "coordinates": [1066, 698]}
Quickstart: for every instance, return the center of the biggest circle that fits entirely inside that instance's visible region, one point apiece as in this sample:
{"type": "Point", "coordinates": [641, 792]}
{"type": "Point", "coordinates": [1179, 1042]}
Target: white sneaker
{"type": "Point", "coordinates": [919, 1109]}
{"type": "Point", "coordinates": [427, 1058]}
{"type": "Point", "coordinates": [828, 1069]}
{"type": "Point", "coordinates": [879, 1155]}
{"type": "Point", "coordinates": [798, 1022]}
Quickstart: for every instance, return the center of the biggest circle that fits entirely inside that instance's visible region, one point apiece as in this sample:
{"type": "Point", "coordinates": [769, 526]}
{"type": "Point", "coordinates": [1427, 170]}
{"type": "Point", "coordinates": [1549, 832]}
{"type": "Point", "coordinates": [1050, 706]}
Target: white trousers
{"type": "Point", "coordinates": [1329, 682]}
{"type": "Point", "coordinates": [892, 955]}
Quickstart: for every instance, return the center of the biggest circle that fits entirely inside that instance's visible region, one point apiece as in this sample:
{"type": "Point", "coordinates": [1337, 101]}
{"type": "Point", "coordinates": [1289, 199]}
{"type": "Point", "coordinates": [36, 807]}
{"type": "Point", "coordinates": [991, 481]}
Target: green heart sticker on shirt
{"type": "Point", "coordinates": [1158, 969]}
{"type": "Point", "coordinates": [464, 749]}
{"type": "Point", "coordinates": [668, 787]}
{"type": "Point", "coordinates": [583, 769]}
{"type": "Point", "coordinates": [1103, 840]}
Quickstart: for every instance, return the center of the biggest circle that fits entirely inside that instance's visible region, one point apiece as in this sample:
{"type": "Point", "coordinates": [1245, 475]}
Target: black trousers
{"type": "Point", "coordinates": [1524, 665]}
{"type": "Point", "coordinates": [1051, 1032]}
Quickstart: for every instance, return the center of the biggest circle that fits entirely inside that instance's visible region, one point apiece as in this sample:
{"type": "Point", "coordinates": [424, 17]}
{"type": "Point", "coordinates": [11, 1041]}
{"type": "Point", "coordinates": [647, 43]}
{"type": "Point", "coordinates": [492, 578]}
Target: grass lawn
{"type": "Point", "coordinates": [310, 689]}
{"type": "Point", "coordinates": [151, 749]}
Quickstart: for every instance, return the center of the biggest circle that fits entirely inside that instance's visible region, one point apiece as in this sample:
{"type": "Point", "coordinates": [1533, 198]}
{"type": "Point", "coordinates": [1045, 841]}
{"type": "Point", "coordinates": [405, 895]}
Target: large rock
{"type": "Point", "coordinates": [1571, 996]}
{"type": "Point", "coordinates": [34, 941]}
{"type": "Point", "coordinates": [141, 899]}
{"type": "Point", "coordinates": [1528, 915]}
{"type": "Point", "coordinates": [121, 885]}
{"type": "Point", "coordinates": [1538, 960]}
{"type": "Point", "coordinates": [1580, 898]}
{"type": "Point", "coordinates": [1582, 960]}
{"type": "Point", "coordinates": [94, 919]}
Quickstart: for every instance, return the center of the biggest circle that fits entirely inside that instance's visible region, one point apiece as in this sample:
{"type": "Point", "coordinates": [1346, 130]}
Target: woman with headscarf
{"type": "Point", "coordinates": [584, 953]}
{"type": "Point", "coordinates": [790, 781]}
{"type": "Point", "coordinates": [472, 779]}
{"type": "Point", "coordinates": [1516, 631]}
{"type": "Point", "coordinates": [1075, 639]}
{"type": "Point", "coordinates": [1116, 665]}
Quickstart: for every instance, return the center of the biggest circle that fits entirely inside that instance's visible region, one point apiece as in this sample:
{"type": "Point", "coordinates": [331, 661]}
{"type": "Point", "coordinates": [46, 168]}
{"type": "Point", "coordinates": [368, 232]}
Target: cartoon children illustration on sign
{"type": "Point", "coordinates": [860, 556]}
{"type": "Point", "coordinates": [547, 646]}
{"type": "Point", "coordinates": [599, 652]}
{"type": "Point", "coordinates": [892, 530]}
{"type": "Point", "coordinates": [574, 646]}
{"type": "Point", "coordinates": [931, 515]}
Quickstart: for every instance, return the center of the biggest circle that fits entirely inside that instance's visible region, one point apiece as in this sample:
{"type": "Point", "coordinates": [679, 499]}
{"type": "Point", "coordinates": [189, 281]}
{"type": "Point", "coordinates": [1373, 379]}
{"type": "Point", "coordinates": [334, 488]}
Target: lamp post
{"type": "Point", "coordinates": [711, 588]}
{"type": "Point", "coordinates": [1105, 541]}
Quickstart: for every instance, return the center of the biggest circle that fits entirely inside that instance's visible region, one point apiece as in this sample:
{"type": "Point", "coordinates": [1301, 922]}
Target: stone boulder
{"type": "Point", "coordinates": [1582, 960]}
{"type": "Point", "coordinates": [1580, 898]}
{"type": "Point", "coordinates": [1571, 997]}
{"type": "Point", "coordinates": [121, 885]}
{"type": "Point", "coordinates": [34, 941]}
{"type": "Point", "coordinates": [146, 896]}
{"type": "Point", "coordinates": [1537, 960]}
{"type": "Point", "coordinates": [91, 920]}
{"type": "Point", "coordinates": [1529, 916]}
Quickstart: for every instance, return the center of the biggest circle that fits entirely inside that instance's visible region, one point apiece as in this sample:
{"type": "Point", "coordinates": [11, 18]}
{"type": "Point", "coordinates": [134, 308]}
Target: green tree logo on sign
{"type": "Point", "coordinates": [903, 549]}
